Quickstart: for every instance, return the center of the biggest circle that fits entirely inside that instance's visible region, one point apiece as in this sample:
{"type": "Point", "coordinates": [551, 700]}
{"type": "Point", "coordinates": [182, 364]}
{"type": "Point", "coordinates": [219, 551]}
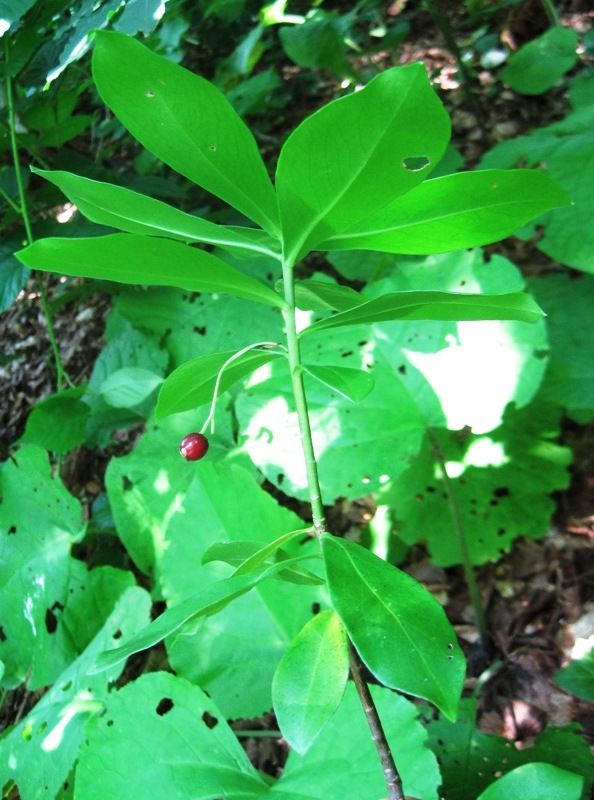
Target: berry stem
{"type": "Point", "coordinates": [215, 395]}
{"type": "Point", "coordinates": [392, 777]}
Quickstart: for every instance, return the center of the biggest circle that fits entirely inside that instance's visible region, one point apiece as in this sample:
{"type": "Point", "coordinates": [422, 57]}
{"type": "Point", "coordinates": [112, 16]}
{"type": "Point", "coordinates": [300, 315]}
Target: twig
{"type": "Point", "coordinates": [378, 735]}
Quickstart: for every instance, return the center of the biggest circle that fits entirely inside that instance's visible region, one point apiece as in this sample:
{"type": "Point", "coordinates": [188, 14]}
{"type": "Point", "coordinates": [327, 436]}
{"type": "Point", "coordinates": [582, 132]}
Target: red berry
{"type": "Point", "coordinates": [193, 446]}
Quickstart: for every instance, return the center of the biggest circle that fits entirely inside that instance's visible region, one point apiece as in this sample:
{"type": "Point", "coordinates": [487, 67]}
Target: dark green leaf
{"type": "Point", "coordinates": [444, 306]}
{"type": "Point", "coordinates": [348, 160]}
{"type": "Point", "coordinates": [400, 631]}
{"type": "Point", "coordinates": [310, 680]}
{"type": "Point", "coordinates": [454, 212]}
{"type": "Point", "coordinates": [186, 122]}
{"type": "Point", "coordinates": [578, 677]}
{"type": "Point", "coordinates": [192, 384]}
{"type": "Point", "coordinates": [535, 782]}
{"type": "Point", "coordinates": [58, 422]}
{"type": "Point", "coordinates": [134, 259]}
{"type": "Point", "coordinates": [115, 206]}
{"type": "Point", "coordinates": [538, 65]}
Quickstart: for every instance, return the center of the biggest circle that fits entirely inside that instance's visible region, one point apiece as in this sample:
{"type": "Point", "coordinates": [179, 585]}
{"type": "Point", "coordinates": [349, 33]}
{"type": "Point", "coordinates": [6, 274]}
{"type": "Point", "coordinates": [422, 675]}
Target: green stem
{"type": "Point", "coordinates": [469, 573]}
{"type": "Point", "coordinates": [392, 777]}
{"type": "Point", "coordinates": [551, 12]}
{"type": "Point", "coordinates": [296, 370]}
{"type": "Point", "coordinates": [61, 376]}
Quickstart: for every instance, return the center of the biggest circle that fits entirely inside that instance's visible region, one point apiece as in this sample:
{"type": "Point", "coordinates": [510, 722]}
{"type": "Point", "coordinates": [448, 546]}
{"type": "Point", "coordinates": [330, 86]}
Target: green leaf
{"type": "Point", "coordinates": [456, 211]}
{"type": "Point", "coordinates": [354, 384]}
{"type": "Point", "coordinates": [535, 782]}
{"type": "Point", "coordinates": [261, 555]}
{"type": "Point", "coordinates": [13, 275]}
{"type": "Point", "coordinates": [58, 422]}
{"type": "Point", "coordinates": [117, 207]}
{"type": "Point", "coordinates": [578, 677]}
{"type": "Point", "coordinates": [566, 148]}
{"type": "Point", "coordinates": [234, 654]}
{"type": "Point", "coordinates": [162, 736]}
{"type": "Point", "coordinates": [35, 568]}
{"type": "Point", "coordinates": [129, 386]}
{"type": "Point", "coordinates": [400, 631]}
{"type": "Point", "coordinates": [539, 64]}
{"type": "Point", "coordinates": [312, 295]}
{"type": "Point", "coordinates": [186, 122]}
{"type": "Point", "coordinates": [319, 41]}
{"type": "Point", "coordinates": [310, 680]}
{"type": "Point", "coordinates": [247, 556]}
{"type": "Point", "coordinates": [126, 348]}
{"type": "Point", "coordinates": [134, 259]}
{"type": "Point", "coordinates": [342, 762]}
{"type": "Point", "coordinates": [349, 159]}
{"type": "Point", "coordinates": [41, 750]}
{"type": "Point", "coordinates": [470, 759]}
{"type": "Point", "coordinates": [569, 379]}
{"type": "Point", "coordinates": [190, 326]}
{"type": "Point", "coordinates": [192, 384]}
{"type": "Point", "coordinates": [501, 485]}
{"type": "Point", "coordinates": [203, 603]}
{"type": "Point", "coordinates": [438, 306]}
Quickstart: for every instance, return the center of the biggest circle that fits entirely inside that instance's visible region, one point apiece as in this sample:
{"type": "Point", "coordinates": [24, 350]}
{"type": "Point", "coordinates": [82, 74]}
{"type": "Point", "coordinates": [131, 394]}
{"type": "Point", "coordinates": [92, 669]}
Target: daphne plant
{"type": "Point", "coordinates": [352, 176]}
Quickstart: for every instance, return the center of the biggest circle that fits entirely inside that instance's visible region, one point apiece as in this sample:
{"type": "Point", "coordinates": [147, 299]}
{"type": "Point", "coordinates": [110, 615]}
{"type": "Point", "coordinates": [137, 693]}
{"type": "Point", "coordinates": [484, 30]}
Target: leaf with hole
{"type": "Point", "coordinates": [134, 259]}
{"type": "Point", "coordinates": [310, 680]}
{"type": "Point", "coordinates": [186, 122]}
{"type": "Point", "coordinates": [400, 631]}
{"type": "Point", "coordinates": [350, 158]}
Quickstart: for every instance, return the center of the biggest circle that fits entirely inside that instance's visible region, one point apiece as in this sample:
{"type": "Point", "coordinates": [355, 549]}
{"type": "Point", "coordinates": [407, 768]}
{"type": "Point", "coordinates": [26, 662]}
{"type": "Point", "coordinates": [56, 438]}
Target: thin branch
{"type": "Point", "coordinates": [393, 782]}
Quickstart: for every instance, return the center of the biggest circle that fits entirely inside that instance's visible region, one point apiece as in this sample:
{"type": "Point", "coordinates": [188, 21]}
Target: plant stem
{"type": "Point", "coordinates": [392, 777]}
{"type": "Point", "coordinates": [393, 782]}
{"type": "Point", "coordinates": [61, 376]}
{"type": "Point", "coordinates": [469, 574]}
{"type": "Point", "coordinates": [551, 12]}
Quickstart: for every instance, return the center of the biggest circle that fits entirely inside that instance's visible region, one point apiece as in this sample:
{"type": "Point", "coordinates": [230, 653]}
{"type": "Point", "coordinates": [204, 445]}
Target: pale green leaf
{"type": "Point", "coordinates": [162, 736]}
{"type": "Point", "coordinates": [58, 422]}
{"type": "Point", "coordinates": [41, 749]}
{"type": "Point", "coordinates": [578, 677]}
{"type": "Point", "coordinates": [129, 386]}
{"type": "Point", "coordinates": [310, 680]}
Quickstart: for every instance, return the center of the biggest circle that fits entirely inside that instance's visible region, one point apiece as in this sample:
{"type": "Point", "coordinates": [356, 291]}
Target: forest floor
{"type": "Point", "coordinates": [539, 597]}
